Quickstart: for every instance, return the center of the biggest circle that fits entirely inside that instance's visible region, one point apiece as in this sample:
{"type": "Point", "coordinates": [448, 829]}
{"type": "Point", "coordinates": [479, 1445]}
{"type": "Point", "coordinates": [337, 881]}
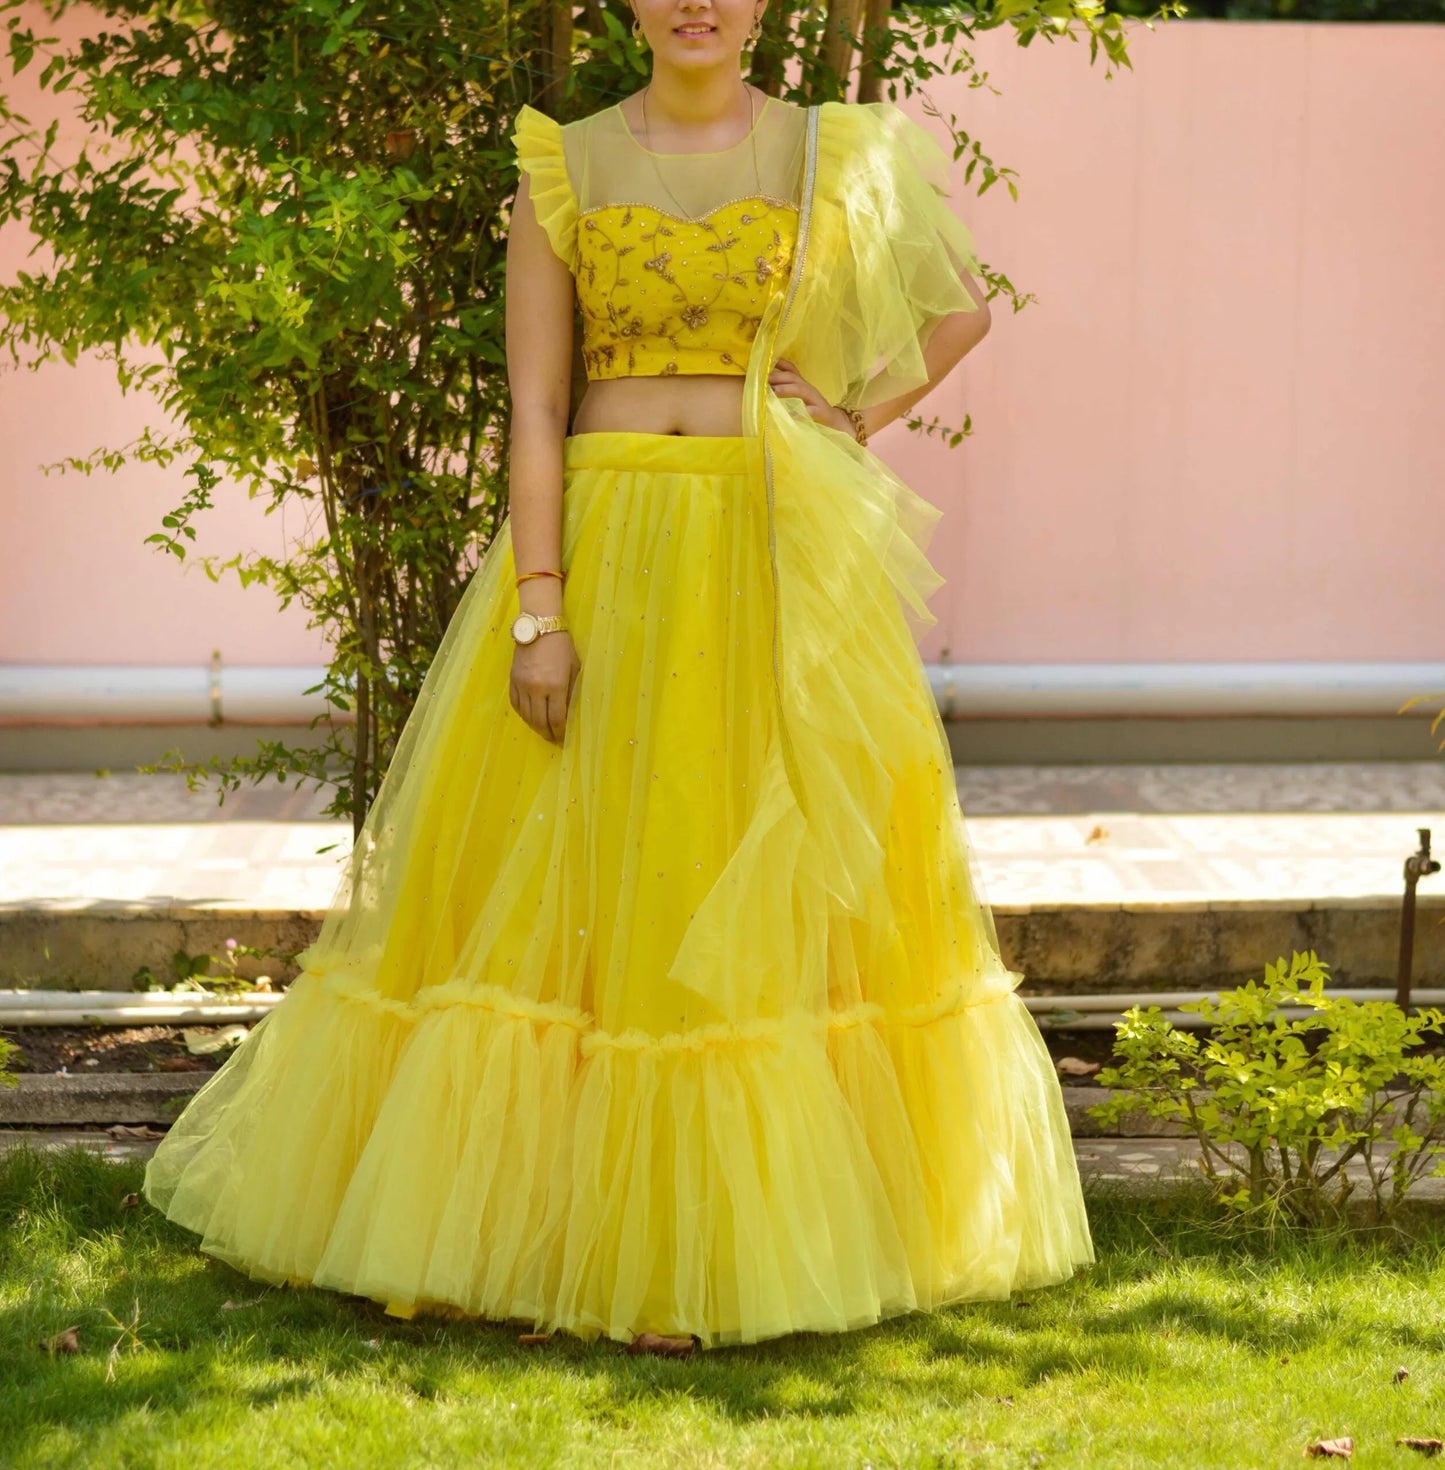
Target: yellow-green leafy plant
{"type": "Point", "coordinates": [1294, 1095]}
{"type": "Point", "coordinates": [8, 1051]}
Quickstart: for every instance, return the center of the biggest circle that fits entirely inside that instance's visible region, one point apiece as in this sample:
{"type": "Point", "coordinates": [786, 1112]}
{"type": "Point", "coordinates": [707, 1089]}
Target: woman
{"type": "Point", "coordinates": [660, 996]}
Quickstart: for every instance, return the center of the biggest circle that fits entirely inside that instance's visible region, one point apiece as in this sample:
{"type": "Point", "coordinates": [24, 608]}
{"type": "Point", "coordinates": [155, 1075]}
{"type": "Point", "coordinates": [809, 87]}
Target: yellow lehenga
{"type": "Point", "coordinates": [697, 1022]}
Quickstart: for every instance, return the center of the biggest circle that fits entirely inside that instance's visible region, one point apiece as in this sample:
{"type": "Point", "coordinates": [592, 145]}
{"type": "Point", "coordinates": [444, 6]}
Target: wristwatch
{"type": "Point", "coordinates": [529, 627]}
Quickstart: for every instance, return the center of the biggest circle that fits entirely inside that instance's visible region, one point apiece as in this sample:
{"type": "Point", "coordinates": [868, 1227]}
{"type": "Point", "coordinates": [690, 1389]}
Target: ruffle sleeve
{"type": "Point", "coordinates": [540, 155]}
{"type": "Point", "coordinates": [885, 256]}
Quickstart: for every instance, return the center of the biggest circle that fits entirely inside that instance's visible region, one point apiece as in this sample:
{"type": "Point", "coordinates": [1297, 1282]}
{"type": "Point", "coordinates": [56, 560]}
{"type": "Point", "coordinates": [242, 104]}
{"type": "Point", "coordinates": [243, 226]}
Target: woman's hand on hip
{"type": "Point", "coordinates": [787, 382]}
{"type": "Point", "coordinates": [543, 674]}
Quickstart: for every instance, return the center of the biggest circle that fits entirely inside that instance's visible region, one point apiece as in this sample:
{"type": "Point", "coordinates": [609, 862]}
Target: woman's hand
{"type": "Point", "coordinates": [787, 382]}
{"type": "Point", "coordinates": [543, 674]}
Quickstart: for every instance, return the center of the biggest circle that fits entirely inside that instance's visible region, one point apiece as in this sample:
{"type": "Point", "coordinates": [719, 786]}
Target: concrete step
{"type": "Point", "coordinates": [1099, 878]}
{"type": "Point", "coordinates": [49, 1099]}
{"type": "Point", "coordinates": [52, 1100]}
{"type": "Point", "coordinates": [1078, 948]}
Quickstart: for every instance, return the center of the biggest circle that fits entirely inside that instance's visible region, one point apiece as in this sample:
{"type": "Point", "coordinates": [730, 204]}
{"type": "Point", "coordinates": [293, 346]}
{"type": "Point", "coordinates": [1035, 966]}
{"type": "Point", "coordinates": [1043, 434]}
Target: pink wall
{"type": "Point", "coordinates": [1216, 435]}
{"type": "Point", "coordinates": [77, 583]}
{"type": "Point", "coordinates": [1208, 440]}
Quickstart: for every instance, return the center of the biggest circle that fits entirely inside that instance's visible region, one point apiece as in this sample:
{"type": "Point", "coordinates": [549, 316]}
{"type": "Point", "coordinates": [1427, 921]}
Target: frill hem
{"type": "Point", "coordinates": [591, 1039]}
{"type": "Point", "coordinates": [484, 1160]}
{"type": "Point", "coordinates": [540, 155]}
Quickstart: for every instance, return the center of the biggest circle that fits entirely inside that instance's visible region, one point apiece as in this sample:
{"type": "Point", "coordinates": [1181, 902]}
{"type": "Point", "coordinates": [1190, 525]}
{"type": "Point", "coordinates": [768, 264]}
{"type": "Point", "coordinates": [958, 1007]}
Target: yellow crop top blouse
{"type": "Point", "coordinates": [674, 255]}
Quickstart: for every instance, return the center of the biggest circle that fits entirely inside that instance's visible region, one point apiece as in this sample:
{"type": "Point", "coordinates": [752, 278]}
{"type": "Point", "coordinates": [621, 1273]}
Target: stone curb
{"type": "Point", "coordinates": [1062, 948]}
{"type": "Point", "coordinates": [156, 1097]}
{"type": "Point", "coordinates": [116, 1097]}
{"type": "Point", "coordinates": [48, 1100]}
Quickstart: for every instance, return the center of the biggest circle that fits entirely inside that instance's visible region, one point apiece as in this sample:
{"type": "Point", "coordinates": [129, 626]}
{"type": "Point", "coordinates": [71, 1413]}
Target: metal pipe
{"type": "Point", "coordinates": [159, 1008]}
{"type": "Point", "coordinates": [39, 694]}
{"type": "Point", "coordinates": [99, 694]}
{"type": "Point", "coordinates": [117, 1008]}
{"type": "Point", "coordinates": [89, 1000]}
{"type": "Point", "coordinates": [1259, 689]}
{"type": "Point", "coordinates": [1172, 999]}
{"type": "Point", "coordinates": [1418, 865]}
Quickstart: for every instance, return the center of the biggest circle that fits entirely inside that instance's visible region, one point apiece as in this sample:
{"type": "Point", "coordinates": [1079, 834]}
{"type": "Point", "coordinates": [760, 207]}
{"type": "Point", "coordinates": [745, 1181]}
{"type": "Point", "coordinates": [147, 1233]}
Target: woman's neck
{"type": "Point", "coordinates": [696, 102]}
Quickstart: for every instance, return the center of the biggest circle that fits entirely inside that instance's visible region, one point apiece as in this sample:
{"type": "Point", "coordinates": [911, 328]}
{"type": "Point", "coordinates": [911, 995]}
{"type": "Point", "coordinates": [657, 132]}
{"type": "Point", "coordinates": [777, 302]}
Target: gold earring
{"type": "Point", "coordinates": [637, 32]}
{"type": "Point", "coordinates": [755, 35]}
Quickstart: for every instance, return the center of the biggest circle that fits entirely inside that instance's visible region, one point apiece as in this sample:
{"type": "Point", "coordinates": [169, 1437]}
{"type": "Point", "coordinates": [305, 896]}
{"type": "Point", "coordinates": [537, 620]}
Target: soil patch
{"type": "Point", "coordinates": [1083, 1046]}
{"type": "Point", "coordinates": [86, 1049]}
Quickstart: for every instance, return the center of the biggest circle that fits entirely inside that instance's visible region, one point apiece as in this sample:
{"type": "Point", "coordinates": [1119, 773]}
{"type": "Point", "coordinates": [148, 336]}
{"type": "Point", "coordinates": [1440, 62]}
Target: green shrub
{"type": "Point", "coordinates": [287, 221]}
{"type": "Point", "coordinates": [1288, 1086]}
{"type": "Point", "coordinates": [8, 1050]}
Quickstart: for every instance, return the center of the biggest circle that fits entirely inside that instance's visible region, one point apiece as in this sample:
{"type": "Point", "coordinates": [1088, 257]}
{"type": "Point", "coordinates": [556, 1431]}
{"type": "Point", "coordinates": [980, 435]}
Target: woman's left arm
{"type": "Point", "coordinates": [951, 340]}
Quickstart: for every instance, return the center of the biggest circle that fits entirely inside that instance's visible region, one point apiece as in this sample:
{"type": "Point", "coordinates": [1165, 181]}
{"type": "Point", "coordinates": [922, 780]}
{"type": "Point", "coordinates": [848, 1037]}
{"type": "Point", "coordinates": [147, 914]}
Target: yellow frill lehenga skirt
{"type": "Point", "coordinates": [609, 1036]}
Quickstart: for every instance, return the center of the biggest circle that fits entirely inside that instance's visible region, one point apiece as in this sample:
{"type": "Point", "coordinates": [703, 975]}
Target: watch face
{"type": "Point", "coordinates": [524, 628]}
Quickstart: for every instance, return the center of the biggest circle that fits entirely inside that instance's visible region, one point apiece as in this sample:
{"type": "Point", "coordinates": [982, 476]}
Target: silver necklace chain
{"type": "Point", "coordinates": [752, 135]}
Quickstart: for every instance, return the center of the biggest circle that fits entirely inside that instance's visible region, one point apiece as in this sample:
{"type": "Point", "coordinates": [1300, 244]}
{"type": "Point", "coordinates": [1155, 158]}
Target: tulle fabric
{"type": "Point", "coordinates": [697, 1022]}
{"type": "Point", "coordinates": [885, 252]}
{"type": "Point", "coordinates": [605, 1037]}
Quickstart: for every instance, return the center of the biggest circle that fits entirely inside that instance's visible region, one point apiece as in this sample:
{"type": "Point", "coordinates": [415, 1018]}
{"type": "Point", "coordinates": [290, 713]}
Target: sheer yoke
{"type": "Point", "coordinates": [675, 254]}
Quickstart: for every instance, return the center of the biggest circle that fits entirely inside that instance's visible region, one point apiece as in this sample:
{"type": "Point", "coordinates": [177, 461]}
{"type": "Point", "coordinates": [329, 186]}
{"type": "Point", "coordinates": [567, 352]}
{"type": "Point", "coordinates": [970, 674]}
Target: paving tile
{"type": "Point", "coordinates": [1195, 835]}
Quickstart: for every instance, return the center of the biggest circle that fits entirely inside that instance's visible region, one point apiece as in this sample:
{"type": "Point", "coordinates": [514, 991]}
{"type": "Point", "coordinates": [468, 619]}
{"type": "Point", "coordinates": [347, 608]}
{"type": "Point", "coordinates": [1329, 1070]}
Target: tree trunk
{"type": "Point", "coordinates": [556, 55]}
{"type": "Point", "coordinates": [839, 45]}
{"type": "Point", "coordinates": [870, 82]}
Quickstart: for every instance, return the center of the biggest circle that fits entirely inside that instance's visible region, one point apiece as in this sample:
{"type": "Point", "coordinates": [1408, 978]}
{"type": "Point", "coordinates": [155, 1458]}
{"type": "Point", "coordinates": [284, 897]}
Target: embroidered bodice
{"type": "Point", "coordinates": [674, 255]}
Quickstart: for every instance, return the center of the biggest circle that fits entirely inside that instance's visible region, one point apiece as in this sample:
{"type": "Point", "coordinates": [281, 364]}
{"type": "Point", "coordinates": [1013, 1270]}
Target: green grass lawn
{"type": "Point", "coordinates": [1178, 1349]}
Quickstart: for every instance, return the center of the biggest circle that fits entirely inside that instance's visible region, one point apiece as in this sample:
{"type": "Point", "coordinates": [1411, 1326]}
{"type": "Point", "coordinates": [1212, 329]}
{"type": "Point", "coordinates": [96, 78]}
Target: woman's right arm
{"type": "Point", "coordinates": [539, 374]}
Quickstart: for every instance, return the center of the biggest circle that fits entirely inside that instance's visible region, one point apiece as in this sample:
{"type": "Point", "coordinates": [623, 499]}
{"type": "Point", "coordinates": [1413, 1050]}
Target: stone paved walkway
{"type": "Point", "coordinates": [1129, 1160]}
{"type": "Point", "coordinates": [1144, 1165]}
{"type": "Point", "coordinates": [1042, 836]}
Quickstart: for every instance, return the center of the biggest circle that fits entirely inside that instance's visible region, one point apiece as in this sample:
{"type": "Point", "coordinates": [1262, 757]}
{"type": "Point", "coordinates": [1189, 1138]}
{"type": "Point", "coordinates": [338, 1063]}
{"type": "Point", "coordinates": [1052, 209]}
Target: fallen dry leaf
{"type": "Point", "coordinates": [1332, 1449]}
{"type": "Point", "coordinates": [1076, 1067]}
{"type": "Point", "coordinates": [202, 1043]}
{"type": "Point", "coordinates": [1097, 835]}
{"type": "Point", "coordinates": [129, 1201]}
{"type": "Point", "coordinates": [140, 1130]}
{"type": "Point", "coordinates": [1006, 1399]}
{"type": "Point", "coordinates": [63, 1342]}
{"type": "Point", "coordinates": [180, 1064]}
{"type": "Point", "coordinates": [1401, 1374]}
{"type": "Point", "coordinates": [533, 1339]}
{"type": "Point", "coordinates": [667, 1347]}
{"type": "Point", "coordinates": [1425, 1446]}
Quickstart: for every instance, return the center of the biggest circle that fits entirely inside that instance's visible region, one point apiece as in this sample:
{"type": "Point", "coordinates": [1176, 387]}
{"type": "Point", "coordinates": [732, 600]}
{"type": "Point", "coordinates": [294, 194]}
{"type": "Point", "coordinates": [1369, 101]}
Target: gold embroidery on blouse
{"type": "Point", "coordinates": [689, 311]}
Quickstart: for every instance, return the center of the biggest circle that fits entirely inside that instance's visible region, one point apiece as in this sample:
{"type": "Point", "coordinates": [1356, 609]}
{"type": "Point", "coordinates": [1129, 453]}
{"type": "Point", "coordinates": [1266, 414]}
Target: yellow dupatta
{"type": "Point", "coordinates": [877, 264]}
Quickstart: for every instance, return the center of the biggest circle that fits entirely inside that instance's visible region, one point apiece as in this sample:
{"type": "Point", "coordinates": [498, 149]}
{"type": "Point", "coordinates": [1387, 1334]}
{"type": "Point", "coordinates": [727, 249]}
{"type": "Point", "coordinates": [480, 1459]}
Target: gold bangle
{"type": "Point", "coordinates": [561, 576]}
{"type": "Point", "coordinates": [855, 417]}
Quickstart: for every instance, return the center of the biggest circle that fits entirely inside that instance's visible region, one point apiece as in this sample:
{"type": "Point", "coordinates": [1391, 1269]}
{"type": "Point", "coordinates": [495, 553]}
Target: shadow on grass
{"type": "Point", "coordinates": [72, 1254]}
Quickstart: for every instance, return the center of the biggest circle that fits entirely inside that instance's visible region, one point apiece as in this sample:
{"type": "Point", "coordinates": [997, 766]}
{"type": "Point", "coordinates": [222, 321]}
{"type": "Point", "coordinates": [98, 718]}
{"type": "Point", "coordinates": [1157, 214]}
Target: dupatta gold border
{"type": "Point", "coordinates": [800, 258]}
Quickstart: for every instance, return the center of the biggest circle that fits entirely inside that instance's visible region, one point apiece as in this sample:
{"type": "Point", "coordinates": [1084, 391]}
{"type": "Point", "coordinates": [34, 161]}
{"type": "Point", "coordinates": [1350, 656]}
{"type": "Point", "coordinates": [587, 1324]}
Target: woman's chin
{"type": "Point", "coordinates": [703, 51]}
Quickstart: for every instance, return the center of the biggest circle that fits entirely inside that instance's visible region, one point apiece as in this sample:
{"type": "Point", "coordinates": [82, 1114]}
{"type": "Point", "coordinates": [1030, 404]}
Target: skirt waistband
{"type": "Point", "coordinates": [684, 454]}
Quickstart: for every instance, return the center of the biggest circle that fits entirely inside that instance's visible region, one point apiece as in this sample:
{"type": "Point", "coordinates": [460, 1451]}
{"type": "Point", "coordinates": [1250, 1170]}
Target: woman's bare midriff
{"type": "Point", "coordinates": [698, 405]}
